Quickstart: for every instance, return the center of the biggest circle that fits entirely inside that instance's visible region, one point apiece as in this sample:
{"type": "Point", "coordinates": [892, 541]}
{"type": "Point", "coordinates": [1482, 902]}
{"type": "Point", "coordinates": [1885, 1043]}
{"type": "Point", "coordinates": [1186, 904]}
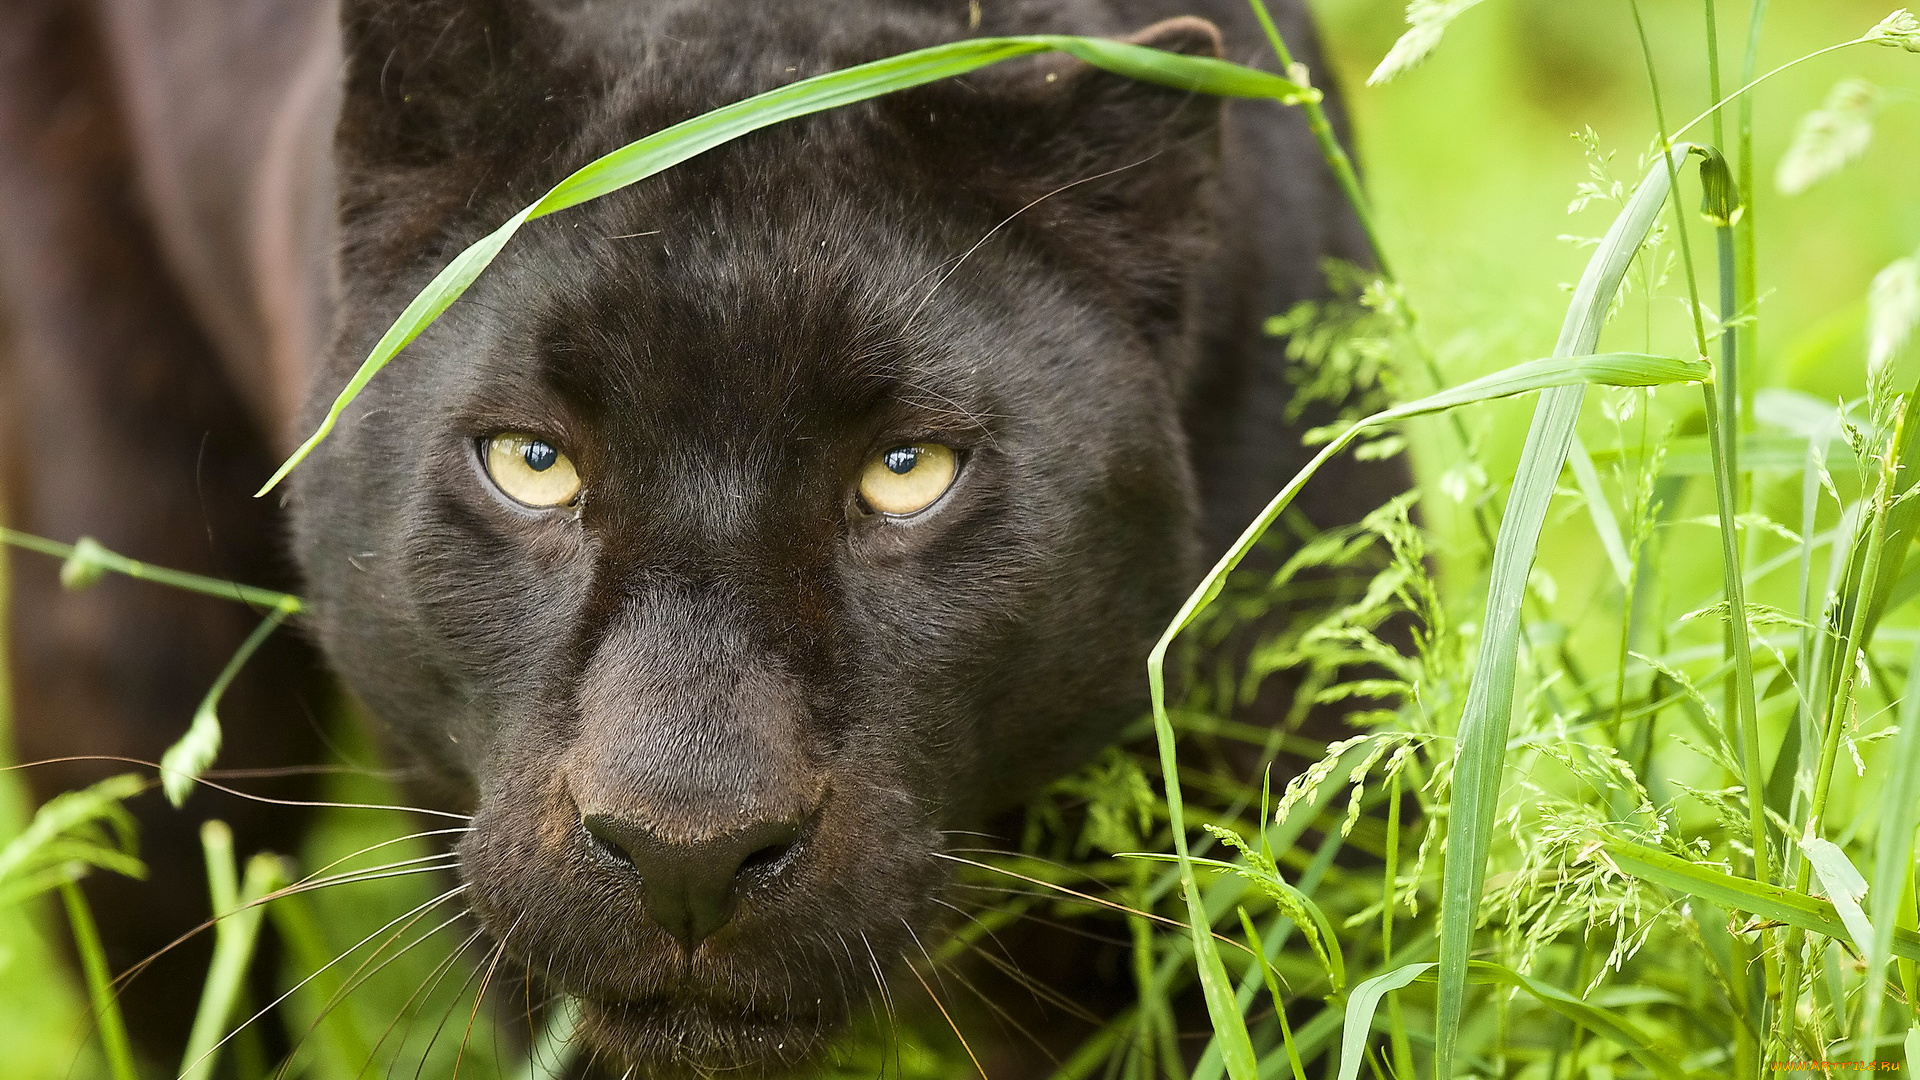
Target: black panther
{"type": "Point", "coordinates": [738, 535]}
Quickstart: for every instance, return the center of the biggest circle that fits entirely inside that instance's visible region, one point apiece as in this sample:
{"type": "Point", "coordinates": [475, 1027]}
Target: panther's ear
{"type": "Point", "coordinates": [1082, 120]}
{"type": "Point", "coordinates": [429, 80]}
{"type": "Point", "coordinates": [1098, 106]}
{"type": "Point", "coordinates": [1119, 169]}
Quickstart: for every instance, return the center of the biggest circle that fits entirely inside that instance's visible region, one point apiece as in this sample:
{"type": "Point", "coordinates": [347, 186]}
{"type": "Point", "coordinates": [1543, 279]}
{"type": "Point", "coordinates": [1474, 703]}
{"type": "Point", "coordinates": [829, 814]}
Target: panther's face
{"type": "Point", "coordinates": [739, 533]}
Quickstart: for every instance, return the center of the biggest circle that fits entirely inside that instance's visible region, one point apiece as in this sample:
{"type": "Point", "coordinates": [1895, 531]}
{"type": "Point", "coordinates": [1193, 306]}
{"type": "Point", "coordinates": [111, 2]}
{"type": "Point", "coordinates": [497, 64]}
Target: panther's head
{"type": "Point", "coordinates": [740, 532]}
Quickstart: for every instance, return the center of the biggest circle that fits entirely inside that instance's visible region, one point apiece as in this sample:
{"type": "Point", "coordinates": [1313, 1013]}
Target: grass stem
{"type": "Point", "coordinates": [238, 912]}
{"type": "Point", "coordinates": [93, 964]}
{"type": "Point", "coordinates": [88, 557]}
{"type": "Point", "coordinates": [1336, 155]}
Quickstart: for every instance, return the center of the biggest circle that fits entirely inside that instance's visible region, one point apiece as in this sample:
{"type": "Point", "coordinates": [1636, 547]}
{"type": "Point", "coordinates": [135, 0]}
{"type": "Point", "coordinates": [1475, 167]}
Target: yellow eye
{"type": "Point", "coordinates": [531, 470]}
{"type": "Point", "coordinates": [907, 479]}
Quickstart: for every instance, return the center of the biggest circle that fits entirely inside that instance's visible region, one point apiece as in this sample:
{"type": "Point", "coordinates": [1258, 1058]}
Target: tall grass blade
{"type": "Point", "coordinates": [1844, 885]}
{"type": "Point", "coordinates": [1605, 524]}
{"type": "Point", "coordinates": [1361, 1007]}
{"type": "Point", "coordinates": [1796, 909]}
{"type": "Point", "coordinates": [1889, 583]}
{"type": "Point", "coordinates": [1480, 747]}
{"type": "Point", "coordinates": [1273, 992]}
{"type": "Point", "coordinates": [1644, 1048]}
{"type": "Point", "coordinates": [1892, 851]}
{"type": "Point", "coordinates": [93, 963]}
{"type": "Point", "coordinates": [672, 145]}
{"type": "Point", "coordinates": [344, 1045]}
{"type": "Point", "coordinates": [1721, 205]}
{"type": "Point", "coordinates": [236, 934]}
{"type": "Point", "coordinates": [1330, 149]}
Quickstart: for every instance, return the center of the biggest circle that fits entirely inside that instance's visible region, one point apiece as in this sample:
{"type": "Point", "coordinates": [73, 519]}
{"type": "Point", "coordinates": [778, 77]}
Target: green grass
{"type": "Point", "coordinates": [1582, 826]}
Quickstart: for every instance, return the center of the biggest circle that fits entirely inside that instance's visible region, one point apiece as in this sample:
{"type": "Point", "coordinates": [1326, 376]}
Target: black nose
{"type": "Point", "coordinates": [690, 886]}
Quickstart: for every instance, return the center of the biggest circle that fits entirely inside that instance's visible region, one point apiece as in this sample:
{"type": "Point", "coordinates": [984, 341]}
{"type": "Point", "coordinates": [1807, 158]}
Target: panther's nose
{"type": "Point", "coordinates": [690, 886]}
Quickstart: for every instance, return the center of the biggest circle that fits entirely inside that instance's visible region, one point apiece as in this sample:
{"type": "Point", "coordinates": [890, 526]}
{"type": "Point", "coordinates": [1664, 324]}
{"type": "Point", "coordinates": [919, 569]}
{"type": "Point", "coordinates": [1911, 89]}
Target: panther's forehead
{"type": "Point", "coordinates": [744, 315]}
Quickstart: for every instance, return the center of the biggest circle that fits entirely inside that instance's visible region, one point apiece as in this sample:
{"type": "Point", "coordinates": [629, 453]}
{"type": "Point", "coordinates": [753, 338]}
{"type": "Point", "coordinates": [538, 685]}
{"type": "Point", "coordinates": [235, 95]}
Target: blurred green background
{"type": "Point", "coordinates": [1472, 162]}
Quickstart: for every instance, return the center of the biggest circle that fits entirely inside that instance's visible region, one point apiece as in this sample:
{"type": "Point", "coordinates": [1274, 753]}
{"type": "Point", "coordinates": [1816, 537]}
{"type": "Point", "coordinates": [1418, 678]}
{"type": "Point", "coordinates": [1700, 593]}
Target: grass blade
{"type": "Point", "coordinates": [672, 145]}
{"type": "Point", "coordinates": [1893, 852]}
{"type": "Point", "coordinates": [1273, 992]}
{"type": "Point", "coordinates": [1480, 748]}
{"type": "Point", "coordinates": [1642, 1047]}
{"type": "Point", "coordinates": [1844, 885]}
{"type": "Point", "coordinates": [345, 1046]}
{"type": "Point", "coordinates": [1360, 1009]}
{"type": "Point", "coordinates": [235, 935]}
{"type": "Point", "coordinates": [1605, 525]}
{"type": "Point", "coordinates": [59, 831]}
{"type": "Point", "coordinates": [93, 962]}
{"type": "Point", "coordinates": [1796, 909]}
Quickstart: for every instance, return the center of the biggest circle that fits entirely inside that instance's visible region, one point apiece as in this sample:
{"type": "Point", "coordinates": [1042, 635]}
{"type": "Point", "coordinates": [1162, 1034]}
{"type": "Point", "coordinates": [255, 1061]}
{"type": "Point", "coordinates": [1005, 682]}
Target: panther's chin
{"type": "Point", "coordinates": [679, 1039]}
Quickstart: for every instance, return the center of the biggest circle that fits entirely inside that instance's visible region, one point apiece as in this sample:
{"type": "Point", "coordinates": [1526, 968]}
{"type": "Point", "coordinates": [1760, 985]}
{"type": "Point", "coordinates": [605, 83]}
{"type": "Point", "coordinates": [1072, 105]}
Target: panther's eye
{"type": "Point", "coordinates": [908, 479]}
{"type": "Point", "coordinates": [531, 470]}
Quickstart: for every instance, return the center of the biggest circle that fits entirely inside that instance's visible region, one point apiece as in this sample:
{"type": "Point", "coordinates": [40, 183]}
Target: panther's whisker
{"type": "Point", "coordinates": [940, 972]}
{"type": "Point", "coordinates": [274, 772]}
{"type": "Point", "coordinates": [886, 1000]}
{"type": "Point", "coordinates": [842, 978]}
{"type": "Point", "coordinates": [1029, 916]}
{"type": "Point", "coordinates": [386, 843]}
{"type": "Point", "coordinates": [873, 1009]}
{"type": "Point", "coordinates": [428, 984]}
{"type": "Point", "coordinates": [1041, 859]}
{"type": "Point", "coordinates": [421, 993]}
{"type": "Point", "coordinates": [526, 993]}
{"type": "Point", "coordinates": [970, 917]}
{"type": "Point", "coordinates": [360, 976]}
{"type": "Point", "coordinates": [1088, 899]}
{"type": "Point", "coordinates": [1042, 993]}
{"type": "Point", "coordinates": [948, 1017]}
{"type": "Point", "coordinates": [499, 953]}
{"type": "Point", "coordinates": [538, 1042]}
{"type": "Point", "coordinates": [442, 898]}
{"type": "Point", "coordinates": [453, 1003]}
{"type": "Point", "coordinates": [1040, 990]}
{"type": "Point", "coordinates": [1007, 966]}
{"type": "Point", "coordinates": [918, 944]}
{"type": "Point", "coordinates": [997, 1009]}
{"type": "Point", "coordinates": [122, 980]}
{"type": "Point", "coordinates": [419, 864]}
{"type": "Point", "coordinates": [1008, 220]}
{"type": "Point", "coordinates": [203, 781]}
{"type": "Point", "coordinates": [1081, 932]}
